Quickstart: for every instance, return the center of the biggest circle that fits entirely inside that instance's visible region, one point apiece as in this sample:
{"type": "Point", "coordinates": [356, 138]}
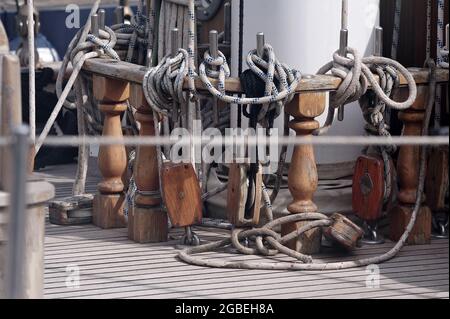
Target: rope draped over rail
{"type": "Point", "coordinates": [266, 236]}
{"type": "Point", "coordinates": [163, 84]}
{"type": "Point", "coordinates": [355, 72]}
{"type": "Point", "coordinates": [267, 71]}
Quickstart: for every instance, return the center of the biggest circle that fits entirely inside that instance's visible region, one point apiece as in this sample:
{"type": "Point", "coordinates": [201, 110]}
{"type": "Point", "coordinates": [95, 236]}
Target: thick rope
{"type": "Point", "coordinates": [276, 242]}
{"type": "Point", "coordinates": [267, 71]}
{"type": "Point", "coordinates": [356, 75]}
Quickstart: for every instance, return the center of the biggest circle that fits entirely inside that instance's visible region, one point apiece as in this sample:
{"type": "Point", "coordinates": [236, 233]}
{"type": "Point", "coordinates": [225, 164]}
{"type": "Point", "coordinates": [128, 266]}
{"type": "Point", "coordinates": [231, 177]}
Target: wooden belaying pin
{"type": "Point", "coordinates": [343, 52]}
{"type": "Point", "coordinates": [260, 43]}
{"type": "Point", "coordinates": [214, 51]}
{"type": "Point", "coordinates": [101, 19]}
{"type": "Point", "coordinates": [227, 26]}
{"type": "Point", "coordinates": [119, 15]}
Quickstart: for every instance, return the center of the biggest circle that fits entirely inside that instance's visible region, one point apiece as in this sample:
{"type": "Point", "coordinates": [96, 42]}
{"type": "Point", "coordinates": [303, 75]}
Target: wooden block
{"type": "Point", "coordinates": [76, 210]}
{"type": "Point", "coordinates": [308, 243]}
{"type": "Point", "coordinates": [108, 211]}
{"type": "Point", "coordinates": [182, 194]}
{"type": "Point", "coordinates": [400, 217]}
{"type": "Point", "coordinates": [237, 196]}
{"type": "Point", "coordinates": [307, 105]}
{"type": "Point", "coordinates": [147, 225]}
{"type": "Point", "coordinates": [368, 188]}
{"type": "Point", "coordinates": [344, 232]}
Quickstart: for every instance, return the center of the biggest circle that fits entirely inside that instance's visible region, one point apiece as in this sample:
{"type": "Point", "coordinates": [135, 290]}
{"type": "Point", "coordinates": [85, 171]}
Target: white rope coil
{"type": "Point", "coordinates": [267, 71]}
{"type": "Point", "coordinates": [356, 74]}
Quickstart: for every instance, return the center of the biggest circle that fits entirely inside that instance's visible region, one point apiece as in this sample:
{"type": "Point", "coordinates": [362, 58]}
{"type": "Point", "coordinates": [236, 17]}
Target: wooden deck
{"type": "Point", "coordinates": [111, 266]}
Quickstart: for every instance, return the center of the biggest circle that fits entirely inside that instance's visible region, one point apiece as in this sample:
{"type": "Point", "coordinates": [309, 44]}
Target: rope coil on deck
{"type": "Point", "coordinates": [267, 71]}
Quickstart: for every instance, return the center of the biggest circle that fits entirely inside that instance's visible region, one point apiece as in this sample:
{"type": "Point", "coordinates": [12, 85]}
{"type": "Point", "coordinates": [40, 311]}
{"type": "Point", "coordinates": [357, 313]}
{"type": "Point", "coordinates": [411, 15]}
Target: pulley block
{"type": "Point", "coordinates": [181, 194]}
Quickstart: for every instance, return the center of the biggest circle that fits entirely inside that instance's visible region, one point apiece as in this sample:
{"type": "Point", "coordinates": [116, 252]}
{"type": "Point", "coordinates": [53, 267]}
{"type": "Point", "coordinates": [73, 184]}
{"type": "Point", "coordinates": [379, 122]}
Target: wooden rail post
{"type": "Point", "coordinates": [303, 177]}
{"type": "Point", "coordinates": [112, 161]}
{"type": "Point", "coordinates": [147, 222]}
{"type": "Point", "coordinates": [408, 176]}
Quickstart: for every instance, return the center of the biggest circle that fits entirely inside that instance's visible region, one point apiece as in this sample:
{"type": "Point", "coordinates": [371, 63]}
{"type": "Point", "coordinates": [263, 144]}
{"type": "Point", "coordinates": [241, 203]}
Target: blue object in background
{"type": "Point", "coordinates": [53, 25]}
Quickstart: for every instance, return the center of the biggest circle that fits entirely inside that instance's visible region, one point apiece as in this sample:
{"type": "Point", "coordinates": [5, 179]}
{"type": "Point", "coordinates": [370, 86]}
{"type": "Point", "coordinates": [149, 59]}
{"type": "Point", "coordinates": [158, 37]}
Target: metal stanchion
{"type": "Point", "coordinates": [16, 261]}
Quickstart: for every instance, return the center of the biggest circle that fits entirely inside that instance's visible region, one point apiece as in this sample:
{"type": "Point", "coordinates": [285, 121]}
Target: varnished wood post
{"type": "Point", "coordinates": [112, 160]}
{"type": "Point", "coordinates": [147, 222]}
{"type": "Point", "coordinates": [303, 177]}
{"type": "Point", "coordinates": [408, 177]}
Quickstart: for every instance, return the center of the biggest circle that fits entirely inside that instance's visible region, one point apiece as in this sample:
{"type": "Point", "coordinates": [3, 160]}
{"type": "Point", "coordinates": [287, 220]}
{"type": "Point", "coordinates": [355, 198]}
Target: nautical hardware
{"type": "Point", "coordinates": [318, 221]}
{"type": "Point", "coordinates": [343, 231]}
{"type": "Point", "coordinates": [356, 74]}
{"type": "Point", "coordinates": [207, 9]}
{"type": "Point", "coordinates": [240, 214]}
{"type": "Point", "coordinates": [417, 122]}
{"type": "Point", "coordinates": [71, 211]}
{"type": "Point", "coordinates": [373, 180]}
{"type": "Point", "coordinates": [163, 90]}
{"type": "Point", "coordinates": [181, 194]}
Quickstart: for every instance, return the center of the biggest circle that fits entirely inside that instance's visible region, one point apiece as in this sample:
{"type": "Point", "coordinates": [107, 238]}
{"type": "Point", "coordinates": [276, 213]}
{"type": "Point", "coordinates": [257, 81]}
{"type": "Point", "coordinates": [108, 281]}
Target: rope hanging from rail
{"type": "Point", "coordinates": [355, 72]}
{"type": "Point", "coordinates": [270, 243]}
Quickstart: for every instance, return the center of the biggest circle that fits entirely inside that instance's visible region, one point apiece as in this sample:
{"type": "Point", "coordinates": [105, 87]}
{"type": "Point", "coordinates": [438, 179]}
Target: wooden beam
{"type": "Point", "coordinates": [135, 73]}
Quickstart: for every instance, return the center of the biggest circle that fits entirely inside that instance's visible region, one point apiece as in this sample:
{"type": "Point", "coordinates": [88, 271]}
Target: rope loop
{"type": "Point", "coordinates": [163, 84]}
{"type": "Point", "coordinates": [267, 70]}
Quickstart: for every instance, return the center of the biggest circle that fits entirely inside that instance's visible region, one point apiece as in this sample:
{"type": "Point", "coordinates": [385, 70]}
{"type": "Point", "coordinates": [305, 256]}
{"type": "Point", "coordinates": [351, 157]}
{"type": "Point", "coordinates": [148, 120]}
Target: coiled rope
{"type": "Point", "coordinates": [355, 72]}
{"type": "Point", "coordinates": [268, 71]}
{"type": "Point", "coordinates": [267, 235]}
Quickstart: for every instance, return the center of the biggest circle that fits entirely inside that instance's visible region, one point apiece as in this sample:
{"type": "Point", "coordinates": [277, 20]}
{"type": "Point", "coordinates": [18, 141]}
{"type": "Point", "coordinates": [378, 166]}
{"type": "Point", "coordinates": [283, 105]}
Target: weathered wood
{"type": "Point", "coordinates": [344, 232]}
{"type": "Point", "coordinates": [237, 196]}
{"type": "Point", "coordinates": [408, 176]}
{"type": "Point", "coordinates": [368, 188]}
{"type": "Point", "coordinates": [135, 73]}
{"type": "Point", "coordinates": [112, 160]}
{"type": "Point", "coordinates": [147, 222]}
{"type": "Point", "coordinates": [182, 194]}
{"type": "Point", "coordinates": [303, 179]}
{"type": "Point", "coordinates": [437, 179]}
{"type": "Point", "coordinates": [10, 108]}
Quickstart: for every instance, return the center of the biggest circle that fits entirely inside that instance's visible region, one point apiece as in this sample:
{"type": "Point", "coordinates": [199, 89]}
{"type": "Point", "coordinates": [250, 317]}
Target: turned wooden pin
{"type": "Point", "coordinates": [112, 159]}
{"type": "Point", "coordinates": [408, 176]}
{"type": "Point", "coordinates": [303, 178]}
{"type": "Point", "coordinates": [147, 222]}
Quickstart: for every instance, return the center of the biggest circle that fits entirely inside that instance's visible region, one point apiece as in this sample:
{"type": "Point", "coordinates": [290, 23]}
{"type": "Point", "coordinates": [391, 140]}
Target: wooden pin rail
{"type": "Point", "coordinates": [135, 74]}
{"type": "Point", "coordinates": [147, 223]}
